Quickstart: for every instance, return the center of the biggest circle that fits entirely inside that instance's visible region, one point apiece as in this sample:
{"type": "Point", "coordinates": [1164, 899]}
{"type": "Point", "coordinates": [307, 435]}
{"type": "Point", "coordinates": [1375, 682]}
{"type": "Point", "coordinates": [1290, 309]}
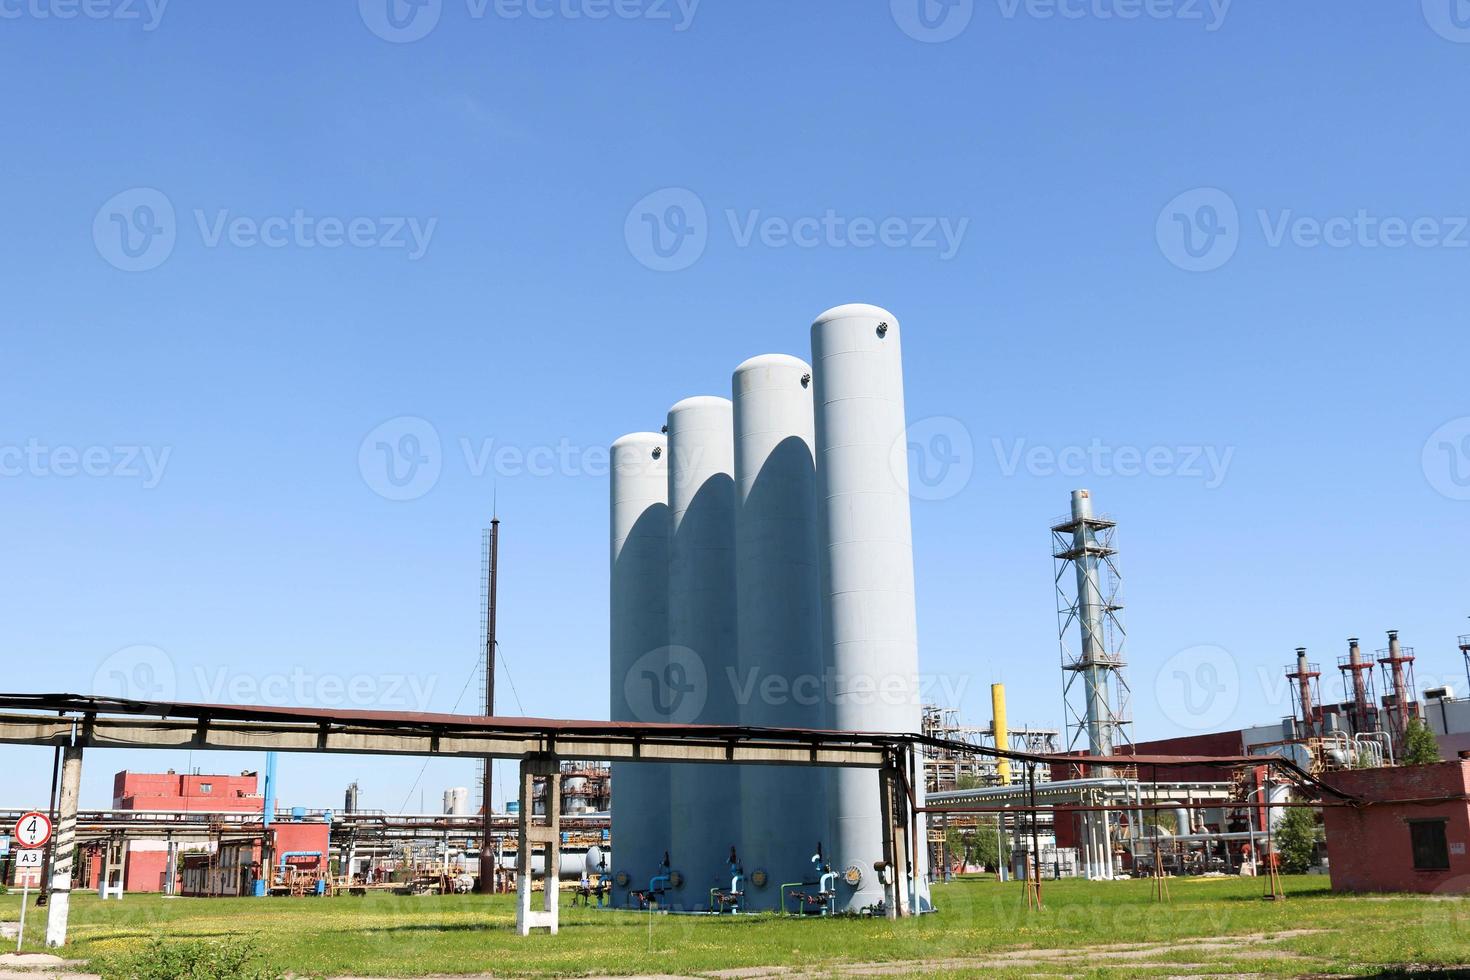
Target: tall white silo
{"type": "Point", "coordinates": [638, 642]}
{"type": "Point", "coordinates": [705, 811]}
{"type": "Point", "coordinates": [870, 633]}
{"type": "Point", "coordinates": [784, 810]}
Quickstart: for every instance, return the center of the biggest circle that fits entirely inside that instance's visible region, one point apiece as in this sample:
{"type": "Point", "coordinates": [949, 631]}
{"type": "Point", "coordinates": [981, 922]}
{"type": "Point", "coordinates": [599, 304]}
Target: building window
{"type": "Point", "coordinates": [1431, 845]}
{"type": "Point", "coordinates": [206, 787]}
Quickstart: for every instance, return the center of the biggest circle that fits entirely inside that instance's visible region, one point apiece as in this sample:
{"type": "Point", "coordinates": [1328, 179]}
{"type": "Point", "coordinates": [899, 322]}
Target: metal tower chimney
{"type": "Point", "coordinates": [1089, 590]}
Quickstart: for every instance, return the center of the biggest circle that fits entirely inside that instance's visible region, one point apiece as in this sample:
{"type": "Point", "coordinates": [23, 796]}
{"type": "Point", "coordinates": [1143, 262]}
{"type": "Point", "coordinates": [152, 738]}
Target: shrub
{"type": "Point", "coordinates": [231, 959]}
{"type": "Point", "coordinates": [1421, 748]}
{"type": "Point", "coordinates": [1296, 838]}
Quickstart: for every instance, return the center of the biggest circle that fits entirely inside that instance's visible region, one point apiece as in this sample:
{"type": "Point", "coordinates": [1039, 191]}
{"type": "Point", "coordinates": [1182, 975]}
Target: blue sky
{"type": "Point", "coordinates": [1231, 234]}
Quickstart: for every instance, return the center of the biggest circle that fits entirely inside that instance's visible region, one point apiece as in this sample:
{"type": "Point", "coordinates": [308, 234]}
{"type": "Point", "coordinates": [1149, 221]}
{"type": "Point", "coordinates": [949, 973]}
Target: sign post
{"type": "Point", "coordinates": [32, 832]}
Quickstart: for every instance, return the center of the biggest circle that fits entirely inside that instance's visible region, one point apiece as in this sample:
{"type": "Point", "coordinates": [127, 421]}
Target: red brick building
{"type": "Point", "coordinates": [146, 862]}
{"type": "Point", "coordinates": [1396, 844]}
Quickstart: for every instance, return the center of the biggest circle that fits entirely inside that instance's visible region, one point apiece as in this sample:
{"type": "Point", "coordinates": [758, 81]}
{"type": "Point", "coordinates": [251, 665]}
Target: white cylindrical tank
{"type": "Point", "coordinates": [638, 641]}
{"type": "Point", "coordinates": [870, 632]}
{"type": "Point", "coordinates": [457, 801]}
{"type": "Point", "coordinates": [705, 799]}
{"type": "Point", "coordinates": [779, 681]}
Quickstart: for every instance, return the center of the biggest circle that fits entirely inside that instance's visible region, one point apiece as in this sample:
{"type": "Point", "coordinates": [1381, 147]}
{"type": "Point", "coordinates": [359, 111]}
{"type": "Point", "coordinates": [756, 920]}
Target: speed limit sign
{"type": "Point", "coordinates": [33, 830]}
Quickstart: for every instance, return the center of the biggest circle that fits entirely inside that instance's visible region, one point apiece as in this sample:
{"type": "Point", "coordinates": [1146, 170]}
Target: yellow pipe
{"type": "Point", "coordinates": [1002, 733]}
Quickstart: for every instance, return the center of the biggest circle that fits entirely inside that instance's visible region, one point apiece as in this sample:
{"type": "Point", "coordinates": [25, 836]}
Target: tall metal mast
{"type": "Point", "coordinates": [492, 563]}
{"type": "Point", "coordinates": [1095, 689]}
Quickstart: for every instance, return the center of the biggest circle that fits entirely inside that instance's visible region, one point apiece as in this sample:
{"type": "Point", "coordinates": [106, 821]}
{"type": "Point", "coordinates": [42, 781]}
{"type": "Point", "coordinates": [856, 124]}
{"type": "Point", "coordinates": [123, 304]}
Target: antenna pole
{"type": "Point", "coordinates": [487, 870]}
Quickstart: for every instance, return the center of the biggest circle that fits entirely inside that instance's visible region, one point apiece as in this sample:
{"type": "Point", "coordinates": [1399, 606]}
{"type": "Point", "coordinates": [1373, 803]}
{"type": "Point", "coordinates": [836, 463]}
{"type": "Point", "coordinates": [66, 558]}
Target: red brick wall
{"type": "Point", "coordinates": [1368, 848]}
{"type": "Point", "coordinates": [179, 791]}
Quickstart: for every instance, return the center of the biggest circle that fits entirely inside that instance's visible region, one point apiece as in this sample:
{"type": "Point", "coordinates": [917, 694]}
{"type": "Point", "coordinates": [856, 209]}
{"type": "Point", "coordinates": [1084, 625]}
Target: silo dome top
{"type": "Point", "coordinates": [700, 402]}
{"type": "Point", "coordinates": [773, 361]}
{"type": "Point", "coordinates": [639, 440]}
{"type": "Point", "coordinates": [849, 310]}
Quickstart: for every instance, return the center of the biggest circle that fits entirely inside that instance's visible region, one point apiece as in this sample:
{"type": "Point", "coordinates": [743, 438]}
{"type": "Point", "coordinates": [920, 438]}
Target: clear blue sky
{"type": "Point", "coordinates": [535, 316]}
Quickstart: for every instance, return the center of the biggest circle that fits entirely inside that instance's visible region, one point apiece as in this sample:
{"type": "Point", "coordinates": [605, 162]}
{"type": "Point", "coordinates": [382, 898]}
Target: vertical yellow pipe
{"type": "Point", "coordinates": [1002, 733]}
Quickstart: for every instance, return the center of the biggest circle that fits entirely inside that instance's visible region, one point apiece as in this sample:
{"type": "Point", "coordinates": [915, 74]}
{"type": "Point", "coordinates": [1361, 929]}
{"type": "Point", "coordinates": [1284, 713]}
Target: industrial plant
{"type": "Point", "coordinates": [768, 750]}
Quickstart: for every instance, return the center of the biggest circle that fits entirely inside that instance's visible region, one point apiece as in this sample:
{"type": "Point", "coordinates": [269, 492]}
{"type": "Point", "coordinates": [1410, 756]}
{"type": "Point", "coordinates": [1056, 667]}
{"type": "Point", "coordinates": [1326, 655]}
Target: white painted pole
{"type": "Point", "coordinates": [25, 899]}
{"type": "Point", "coordinates": [64, 848]}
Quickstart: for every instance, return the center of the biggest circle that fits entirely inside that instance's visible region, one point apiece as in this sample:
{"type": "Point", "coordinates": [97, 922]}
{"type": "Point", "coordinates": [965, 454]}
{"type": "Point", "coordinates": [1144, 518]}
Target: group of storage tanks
{"type": "Point", "coordinates": [762, 575]}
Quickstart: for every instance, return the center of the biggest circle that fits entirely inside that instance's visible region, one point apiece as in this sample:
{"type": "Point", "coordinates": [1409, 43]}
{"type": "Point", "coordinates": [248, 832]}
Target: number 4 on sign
{"type": "Point", "coordinates": [33, 830]}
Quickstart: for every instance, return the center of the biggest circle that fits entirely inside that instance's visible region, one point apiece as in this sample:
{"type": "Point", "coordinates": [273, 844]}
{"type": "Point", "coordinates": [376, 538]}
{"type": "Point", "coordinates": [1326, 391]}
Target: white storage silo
{"type": "Point", "coordinates": [457, 801]}
{"type": "Point", "coordinates": [705, 800]}
{"type": "Point", "coordinates": [784, 810]}
{"type": "Point", "coordinates": [639, 636]}
{"type": "Point", "coordinates": [870, 633]}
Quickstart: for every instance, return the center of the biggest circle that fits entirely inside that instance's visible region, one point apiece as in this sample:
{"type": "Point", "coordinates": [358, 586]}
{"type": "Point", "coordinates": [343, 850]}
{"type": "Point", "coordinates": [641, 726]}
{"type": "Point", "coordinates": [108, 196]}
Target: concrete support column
{"type": "Point", "coordinates": [63, 847]}
{"type": "Point", "coordinates": [893, 809]}
{"type": "Point", "coordinates": [544, 831]}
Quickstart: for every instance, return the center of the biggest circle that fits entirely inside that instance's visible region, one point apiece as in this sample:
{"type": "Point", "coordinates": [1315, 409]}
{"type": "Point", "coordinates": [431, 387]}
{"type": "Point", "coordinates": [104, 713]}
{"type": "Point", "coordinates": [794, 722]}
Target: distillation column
{"type": "Point", "coordinates": [870, 633]}
{"type": "Point", "coordinates": [638, 612]}
{"type": "Point", "coordinates": [784, 810]}
{"type": "Point", "coordinates": [702, 638]}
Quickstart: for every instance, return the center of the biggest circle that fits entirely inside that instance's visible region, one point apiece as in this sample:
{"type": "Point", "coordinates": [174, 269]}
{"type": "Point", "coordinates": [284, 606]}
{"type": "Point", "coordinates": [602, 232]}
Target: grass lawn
{"type": "Point", "coordinates": [1105, 929]}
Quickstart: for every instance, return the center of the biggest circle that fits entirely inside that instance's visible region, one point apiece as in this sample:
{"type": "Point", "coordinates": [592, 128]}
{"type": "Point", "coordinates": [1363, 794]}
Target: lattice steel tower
{"type": "Point", "coordinates": [1089, 595]}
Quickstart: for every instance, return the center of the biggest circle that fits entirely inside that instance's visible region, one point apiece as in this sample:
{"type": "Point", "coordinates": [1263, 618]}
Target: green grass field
{"type": "Point", "coordinates": [1105, 929]}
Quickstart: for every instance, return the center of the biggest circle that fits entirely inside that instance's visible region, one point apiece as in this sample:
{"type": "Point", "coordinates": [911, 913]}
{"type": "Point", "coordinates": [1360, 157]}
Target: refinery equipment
{"type": "Point", "coordinates": [638, 644]}
{"type": "Point", "coordinates": [1095, 689]}
{"type": "Point", "coordinates": [705, 801]}
{"type": "Point", "coordinates": [770, 582]}
{"type": "Point", "coordinates": [1089, 595]}
{"type": "Point", "coordinates": [457, 801]}
{"type": "Point", "coordinates": [778, 606]}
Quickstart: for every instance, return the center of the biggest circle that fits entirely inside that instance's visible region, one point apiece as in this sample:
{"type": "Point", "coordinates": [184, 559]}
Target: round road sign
{"type": "Point", "coordinates": [33, 830]}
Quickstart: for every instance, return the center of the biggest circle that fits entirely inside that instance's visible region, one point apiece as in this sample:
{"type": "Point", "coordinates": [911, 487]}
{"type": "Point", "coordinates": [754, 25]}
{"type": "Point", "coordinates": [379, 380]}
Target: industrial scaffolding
{"type": "Point", "coordinates": [1089, 596]}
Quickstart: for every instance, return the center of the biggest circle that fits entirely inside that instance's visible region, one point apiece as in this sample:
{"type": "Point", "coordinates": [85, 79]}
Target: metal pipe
{"type": "Point", "coordinates": [487, 881]}
{"type": "Point", "coordinates": [1000, 731]}
{"type": "Point", "coordinates": [1090, 618]}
